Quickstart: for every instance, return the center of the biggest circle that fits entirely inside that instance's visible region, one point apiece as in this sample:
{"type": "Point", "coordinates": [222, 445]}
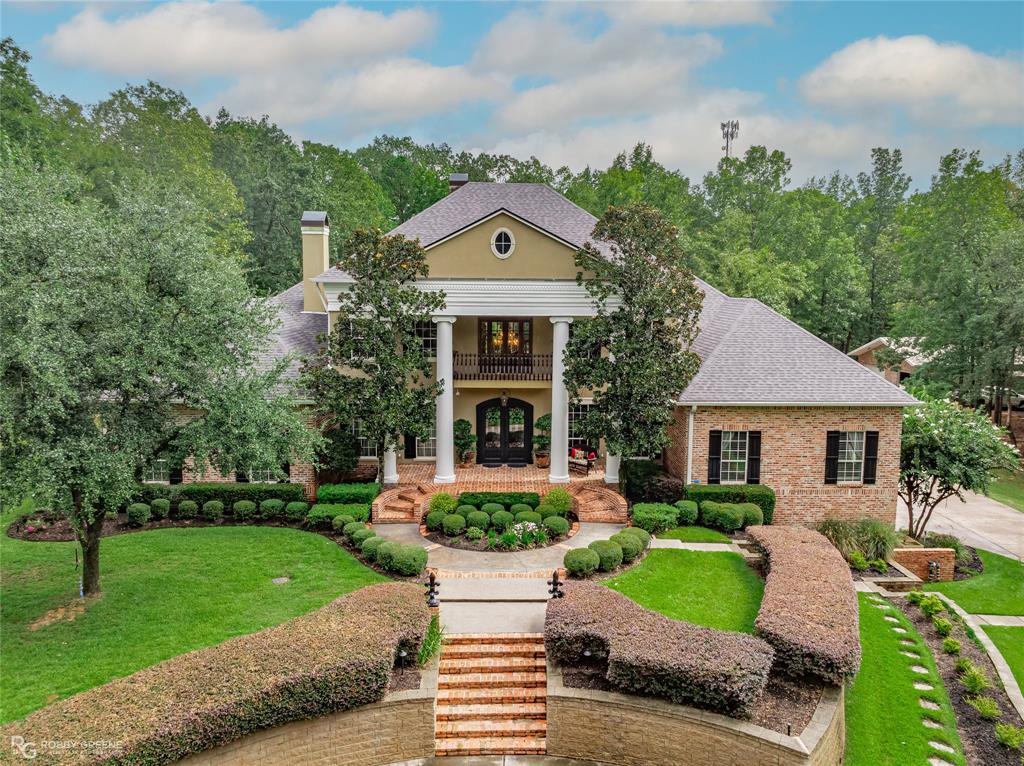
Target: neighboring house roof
{"type": "Point", "coordinates": [296, 333]}
{"type": "Point", "coordinates": [907, 348]}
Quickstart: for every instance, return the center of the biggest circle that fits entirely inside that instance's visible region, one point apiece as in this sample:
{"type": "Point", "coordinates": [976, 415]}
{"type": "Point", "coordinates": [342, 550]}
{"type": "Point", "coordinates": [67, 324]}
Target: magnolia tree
{"type": "Point", "coordinates": [947, 450]}
{"type": "Point", "coordinates": [128, 336]}
{"type": "Point", "coordinates": [373, 367]}
{"type": "Point", "coordinates": [635, 354]}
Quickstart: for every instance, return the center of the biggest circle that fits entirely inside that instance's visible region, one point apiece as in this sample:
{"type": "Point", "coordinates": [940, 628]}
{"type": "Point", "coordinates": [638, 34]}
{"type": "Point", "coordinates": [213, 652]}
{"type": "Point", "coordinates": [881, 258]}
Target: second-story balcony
{"type": "Point", "coordinates": [470, 366]}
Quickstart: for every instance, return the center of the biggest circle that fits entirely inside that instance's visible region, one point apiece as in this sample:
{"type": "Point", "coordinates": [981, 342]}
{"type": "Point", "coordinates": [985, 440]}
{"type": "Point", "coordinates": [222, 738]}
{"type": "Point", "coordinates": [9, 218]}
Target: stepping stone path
{"type": "Point", "coordinates": [919, 669]}
{"type": "Point", "coordinates": [908, 642]}
{"type": "Point", "coordinates": [911, 655]}
{"type": "Point", "coordinates": [899, 630]}
{"type": "Point", "coordinates": [921, 686]}
{"type": "Point", "coordinates": [491, 695]}
{"type": "Point", "coordinates": [938, 761]}
{"type": "Point", "coordinates": [941, 746]}
{"type": "Point", "coordinates": [930, 723]}
{"type": "Point", "coordinates": [887, 618]}
{"type": "Point", "coordinates": [929, 705]}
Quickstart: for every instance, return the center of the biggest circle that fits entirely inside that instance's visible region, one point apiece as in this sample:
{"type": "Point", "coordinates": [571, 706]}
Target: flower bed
{"type": "Point", "coordinates": [491, 521]}
{"type": "Point", "coordinates": [336, 658]}
{"type": "Point", "coordinates": [642, 652]}
{"type": "Point", "coordinates": [809, 612]}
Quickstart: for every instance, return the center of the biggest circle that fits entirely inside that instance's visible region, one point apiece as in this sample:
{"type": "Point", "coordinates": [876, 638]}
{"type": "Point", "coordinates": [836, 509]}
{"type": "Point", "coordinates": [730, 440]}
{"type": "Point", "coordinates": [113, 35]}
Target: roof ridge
{"type": "Point", "coordinates": [729, 332]}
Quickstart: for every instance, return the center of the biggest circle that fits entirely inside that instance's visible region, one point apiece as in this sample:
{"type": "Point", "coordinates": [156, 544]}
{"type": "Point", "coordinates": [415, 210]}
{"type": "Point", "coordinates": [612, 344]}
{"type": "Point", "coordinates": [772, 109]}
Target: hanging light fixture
{"type": "Point", "coordinates": [504, 398]}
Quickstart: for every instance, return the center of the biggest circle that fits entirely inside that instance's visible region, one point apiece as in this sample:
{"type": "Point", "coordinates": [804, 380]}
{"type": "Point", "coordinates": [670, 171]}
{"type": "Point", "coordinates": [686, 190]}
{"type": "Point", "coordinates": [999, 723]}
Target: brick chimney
{"type": "Point", "coordinates": [316, 230]}
{"type": "Point", "coordinates": [457, 181]}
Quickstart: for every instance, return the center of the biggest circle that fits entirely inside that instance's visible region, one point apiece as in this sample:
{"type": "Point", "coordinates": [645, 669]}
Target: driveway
{"type": "Point", "coordinates": [979, 521]}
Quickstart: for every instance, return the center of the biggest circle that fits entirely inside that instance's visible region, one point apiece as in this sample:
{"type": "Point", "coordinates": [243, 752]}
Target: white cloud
{"type": "Point", "coordinates": [217, 38]}
{"type": "Point", "coordinates": [933, 81]}
{"type": "Point", "coordinates": [702, 13]}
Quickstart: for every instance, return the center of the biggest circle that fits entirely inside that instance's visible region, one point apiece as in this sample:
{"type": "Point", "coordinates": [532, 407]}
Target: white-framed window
{"type": "Point", "coordinates": [578, 439]}
{"type": "Point", "coordinates": [428, 447]}
{"type": "Point", "coordinates": [426, 332]}
{"type": "Point", "coordinates": [367, 447]}
{"type": "Point", "coordinates": [261, 476]}
{"type": "Point", "coordinates": [734, 457]}
{"type": "Point", "coordinates": [503, 244]}
{"type": "Point", "coordinates": [157, 472]}
{"type": "Point", "coordinates": [851, 457]}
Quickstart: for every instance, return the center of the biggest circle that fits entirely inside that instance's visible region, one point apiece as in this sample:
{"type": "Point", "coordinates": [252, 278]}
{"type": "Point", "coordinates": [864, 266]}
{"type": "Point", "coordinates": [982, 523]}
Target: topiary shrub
{"type": "Point", "coordinates": [338, 522]}
{"type": "Point", "coordinates": [640, 534]}
{"type": "Point", "coordinates": [296, 511]}
{"type": "Point", "coordinates": [465, 510]}
{"type": "Point", "coordinates": [370, 545]}
{"type": "Point", "coordinates": [351, 528]}
{"type": "Point", "coordinates": [492, 508]}
{"type": "Point", "coordinates": [752, 514]}
{"type": "Point", "coordinates": [504, 499]}
{"type": "Point", "coordinates": [161, 508]}
{"type": "Point", "coordinates": [580, 562]}
{"type": "Point", "coordinates": [723, 516]}
{"type": "Point", "coordinates": [520, 507]}
{"type": "Point", "coordinates": [229, 493]}
{"type": "Point", "coordinates": [547, 510]}
{"type": "Point", "coordinates": [386, 552]}
{"type": "Point", "coordinates": [478, 519]}
{"type": "Point", "coordinates": [630, 545]}
{"type": "Point", "coordinates": [502, 520]}
{"type": "Point", "coordinates": [271, 509]}
{"type": "Point", "coordinates": [655, 517]}
{"type": "Point", "coordinates": [609, 553]}
{"type": "Point", "coordinates": [321, 515]}
{"type": "Point", "coordinates": [409, 560]}
{"type": "Point", "coordinates": [244, 510]}
{"type": "Point", "coordinates": [686, 513]}
{"type": "Point", "coordinates": [187, 509]}
{"type": "Point", "coordinates": [528, 516]}
{"type": "Point", "coordinates": [434, 520]}
{"type": "Point", "coordinates": [212, 510]}
{"type": "Point", "coordinates": [559, 500]}
{"type": "Point", "coordinates": [762, 496]}
{"type": "Point", "coordinates": [357, 538]}
{"type": "Point", "coordinates": [138, 514]}
{"type": "Point", "coordinates": [348, 493]}
{"type": "Point", "coordinates": [556, 525]}
{"type": "Point", "coordinates": [474, 533]}
{"type": "Point", "coordinates": [453, 525]}
{"type": "Point", "coordinates": [443, 502]}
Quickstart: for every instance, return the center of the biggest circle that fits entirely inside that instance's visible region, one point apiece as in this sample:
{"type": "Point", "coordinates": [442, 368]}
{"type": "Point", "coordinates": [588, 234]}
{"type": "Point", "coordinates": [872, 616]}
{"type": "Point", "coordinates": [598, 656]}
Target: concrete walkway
{"type": "Point", "coordinates": [499, 760]}
{"type": "Point", "coordinates": [980, 522]}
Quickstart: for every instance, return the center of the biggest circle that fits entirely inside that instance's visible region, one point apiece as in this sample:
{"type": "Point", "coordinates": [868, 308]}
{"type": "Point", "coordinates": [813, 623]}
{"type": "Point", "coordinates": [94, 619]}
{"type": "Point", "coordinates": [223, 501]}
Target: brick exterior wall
{"type": "Point", "coordinates": [916, 560]}
{"type": "Point", "coordinates": [793, 457]}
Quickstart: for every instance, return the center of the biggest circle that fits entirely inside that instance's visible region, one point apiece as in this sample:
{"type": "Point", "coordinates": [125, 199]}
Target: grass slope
{"type": "Point", "coordinates": [1008, 488]}
{"type": "Point", "coordinates": [165, 592]}
{"type": "Point", "coordinates": [883, 714]}
{"type": "Point", "coordinates": [1010, 642]}
{"type": "Point", "coordinates": [694, 535]}
{"type": "Point", "coordinates": [714, 589]}
{"type": "Point", "coordinates": [999, 590]}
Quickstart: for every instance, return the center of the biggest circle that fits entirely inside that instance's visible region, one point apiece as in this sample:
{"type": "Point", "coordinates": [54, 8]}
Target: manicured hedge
{"type": "Point", "coordinates": [138, 514]}
{"type": "Point", "coordinates": [609, 553]}
{"type": "Point", "coordinates": [687, 512]}
{"type": "Point", "coordinates": [556, 525]}
{"type": "Point", "coordinates": [442, 502]}
{"type": "Point", "coordinates": [453, 524]}
{"type": "Point", "coordinates": [644, 481]}
{"type": "Point", "coordinates": [347, 493]}
{"type": "Point", "coordinates": [212, 510]}
{"type": "Point", "coordinates": [643, 652]}
{"type": "Point", "coordinates": [229, 493]}
{"type": "Point", "coordinates": [759, 494]}
{"type": "Point", "coordinates": [581, 561]}
{"type": "Point", "coordinates": [531, 517]}
{"type": "Point", "coordinates": [434, 520]}
{"type": "Point", "coordinates": [271, 509]}
{"type": "Point", "coordinates": [478, 519]}
{"type": "Point", "coordinates": [187, 509]}
{"type": "Point", "coordinates": [506, 499]}
{"type": "Point", "coordinates": [336, 658]}
{"type": "Point", "coordinates": [161, 508]}
{"type": "Point", "coordinates": [502, 520]}
{"type": "Point", "coordinates": [655, 517]}
{"type": "Point", "coordinates": [809, 610]}
{"type": "Point", "coordinates": [465, 510]}
{"type": "Point", "coordinates": [631, 545]}
{"type": "Point", "coordinates": [296, 510]}
{"type": "Point", "coordinates": [243, 510]}
{"type": "Point", "coordinates": [724, 516]}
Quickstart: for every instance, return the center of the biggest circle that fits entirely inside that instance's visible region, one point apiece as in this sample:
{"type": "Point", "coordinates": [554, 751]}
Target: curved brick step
{"type": "Point", "coordinates": [595, 503]}
{"type": "Point", "coordinates": [398, 505]}
{"type": "Point", "coordinates": [491, 746]}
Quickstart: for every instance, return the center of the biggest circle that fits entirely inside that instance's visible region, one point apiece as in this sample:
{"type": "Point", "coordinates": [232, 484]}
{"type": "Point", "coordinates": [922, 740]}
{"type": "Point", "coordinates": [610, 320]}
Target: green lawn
{"type": "Point", "coordinates": [1011, 645]}
{"type": "Point", "coordinates": [714, 589]}
{"type": "Point", "coordinates": [999, 590]}
{"type": "Point", "coordinates": [1008, 488]}
{"type": "Point", "coordinates": [165, 592]}
{"type": "Point", "coordinates": [883, 713]}
{"type": "Point", "coordinates": [694, 535]}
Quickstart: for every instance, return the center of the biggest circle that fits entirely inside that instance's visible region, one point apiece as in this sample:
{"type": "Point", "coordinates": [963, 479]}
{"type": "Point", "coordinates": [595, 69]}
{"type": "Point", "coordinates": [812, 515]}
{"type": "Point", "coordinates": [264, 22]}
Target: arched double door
{"type": "Point", "coordinates": [504, 431]}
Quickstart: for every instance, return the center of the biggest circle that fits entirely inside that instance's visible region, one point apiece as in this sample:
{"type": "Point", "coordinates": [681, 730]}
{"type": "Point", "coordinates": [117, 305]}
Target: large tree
{"type": "Point", "coordinates": [635, 354]}
{"type": "Point", "coordinates": [129, 335]}
{"type": "Point", "coordinates": [373, 367]}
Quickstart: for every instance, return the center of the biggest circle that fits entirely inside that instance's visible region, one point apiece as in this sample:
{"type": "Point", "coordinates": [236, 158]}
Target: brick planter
{"type": "Point", "coordinates": [916, 560]}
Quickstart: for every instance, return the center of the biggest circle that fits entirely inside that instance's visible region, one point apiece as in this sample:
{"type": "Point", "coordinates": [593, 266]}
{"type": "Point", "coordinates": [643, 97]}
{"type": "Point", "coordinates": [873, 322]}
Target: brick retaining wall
{"type": "Point", "coordinates": [916, 560]}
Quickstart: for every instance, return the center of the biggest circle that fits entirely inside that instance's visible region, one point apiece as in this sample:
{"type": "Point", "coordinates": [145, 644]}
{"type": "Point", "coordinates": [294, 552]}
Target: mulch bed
{"type": "Point", "coordinates": [971, 569]}
{"type": "Point", "coordinates": [786, 706]}
{"type": "Point", "coordinates": [404, 679]}
{"type": "Point", "coordinates": [872, 573]}
{"type": "Point", "coordinates": [977, 734]}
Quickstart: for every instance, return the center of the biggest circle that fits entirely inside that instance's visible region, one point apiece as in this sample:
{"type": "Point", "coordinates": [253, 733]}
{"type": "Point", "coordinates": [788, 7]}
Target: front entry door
{"type": "Point", "coordinates": [504, 431]}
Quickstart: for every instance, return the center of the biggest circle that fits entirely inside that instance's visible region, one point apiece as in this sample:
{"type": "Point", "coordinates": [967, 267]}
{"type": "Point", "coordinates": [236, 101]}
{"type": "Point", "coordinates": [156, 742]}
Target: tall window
{"type": "Point", "coordinates": [851, 456]}
{"type": "Point", "coordinates": [427, 334]}
{"type": "Point", "coordinates": [734, 457]}
{"type": "Point", "coordinates": [367, 447]}
{"type": "Point", "coordinates": [428, 447]}
{"type": "Point", "coordinates": [157, 472]}
{"type": "Point", "coordinates": [578, 439]}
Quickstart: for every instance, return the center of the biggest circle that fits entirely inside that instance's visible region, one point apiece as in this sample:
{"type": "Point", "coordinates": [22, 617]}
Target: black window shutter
{"type": "Point", "coordinates": [242, 477]}
{"type": "Point", "coordinates": [832, 457]}
{"type": "Point", "coordinates": [753, 457]}
{"type": "Point", "coordinates": [175, 473]}
{"type": "Point", "coordinates": [870, 456]}
{"type": "Point", "coordinates": [715, 457]}
{"type": "Point", "coordinates": [410, 446]}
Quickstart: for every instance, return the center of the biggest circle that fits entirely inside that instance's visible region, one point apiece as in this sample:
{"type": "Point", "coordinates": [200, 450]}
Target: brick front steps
{"type": "Point", "coordinates": [595, 502]}
{"type": "Point", "coordinates": [491, 699]}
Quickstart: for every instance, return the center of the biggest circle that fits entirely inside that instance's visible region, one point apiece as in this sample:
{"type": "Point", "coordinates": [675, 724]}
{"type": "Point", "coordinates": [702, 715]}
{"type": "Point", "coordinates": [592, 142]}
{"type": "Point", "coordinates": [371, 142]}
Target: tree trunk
{"type": "Point", "coordinates": [89, 539]}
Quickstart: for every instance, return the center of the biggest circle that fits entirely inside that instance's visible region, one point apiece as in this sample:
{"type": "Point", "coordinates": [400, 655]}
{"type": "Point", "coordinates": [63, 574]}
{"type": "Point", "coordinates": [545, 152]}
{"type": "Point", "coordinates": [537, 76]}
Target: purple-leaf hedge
{"type": "Point", "coordinates": [336, 658]}
{"type": "Point", "coordinates": [646, 653]}
{"type": "Point", "coordinates": [809, 610]}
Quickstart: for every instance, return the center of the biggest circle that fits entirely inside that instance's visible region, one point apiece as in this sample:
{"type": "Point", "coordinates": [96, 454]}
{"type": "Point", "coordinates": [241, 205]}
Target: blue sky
{"type": "Point", "coordinates": [572, 83]}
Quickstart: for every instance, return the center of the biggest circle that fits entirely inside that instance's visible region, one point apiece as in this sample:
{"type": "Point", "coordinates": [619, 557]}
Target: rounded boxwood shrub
{"type": "Point", "coordinates": [502, 520]}
{"type": "Point", "coordinates": [723, 516]}
{"type": "Point", "coordinates": [559, 499]}
{"type": "Point", "coordinates": [630, 544]}
{"type": "Point", "coordinates": [547, 510]}
{"type": "Point", "coordinates": [655, 517]}
{"type": "Point", "coordinates": [161, 508]}
{"type": "Point", "coordinates": [212, 510]}
{"type": "Point", "coordinates": [556, 525]}
{"type": "Point", "coordinates": [465, 510]}
{"type": "Point", "coordinates": [608, 552]}
{"type": "Point", "coordinates": [443, 502]}
{"type": "Point", "coordinates": [752, 514]}
{"type": "Point", "coordinates": [581, 561]}
{"type": "Point", "coordinates": [478, 519]}
{"type": "Point", "coordinates": [339, 522]}
{"type": "Point", "coordinates": [409, 560]}
{"type": "Point", "coordinates": [296, 510]}
{"type": "Point", "coordinates": [244, 510]}
{"type": "Point", "coordinates": [351, 528]}
{"type": "Point", "coordinates": [370, 545]}
{"type": "Point", "coordinates": [519, 508]}
{"type": "Point", "coordinates": [358, 537]}
{"type": "Point", "coordinates": [531, 516]}
{"type": "Point", "coordinates": [386, 553]}
{"type": "Point", "coordinates": [492, 508]}
{"type": "Point", "coordinates": [474, 533]}
{"type": "Point", "coordinates": [453, 525]}
{"type": "Point", "coordinates": [187, 509]}
{"type": "Point", "coordinates": [138, 514]}
{"type": "Point", "coordinates": [434, 520]}
{"type": "Point", "coordinates": [687, 512]}
{"type": "Point", "coordinates": [272, 508]}
{"type": "Point", "coordinates": [640, 534]}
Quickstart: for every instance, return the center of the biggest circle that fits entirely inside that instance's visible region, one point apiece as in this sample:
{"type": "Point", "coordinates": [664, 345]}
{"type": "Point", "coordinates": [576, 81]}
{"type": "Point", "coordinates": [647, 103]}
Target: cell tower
{"type": "Point", "coordinates": [730, 130]}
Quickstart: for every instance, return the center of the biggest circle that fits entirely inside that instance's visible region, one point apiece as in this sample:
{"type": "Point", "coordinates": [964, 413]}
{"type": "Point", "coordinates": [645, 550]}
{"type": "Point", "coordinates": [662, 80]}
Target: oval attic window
{"type": "Point", "coordinates": [502, 243]}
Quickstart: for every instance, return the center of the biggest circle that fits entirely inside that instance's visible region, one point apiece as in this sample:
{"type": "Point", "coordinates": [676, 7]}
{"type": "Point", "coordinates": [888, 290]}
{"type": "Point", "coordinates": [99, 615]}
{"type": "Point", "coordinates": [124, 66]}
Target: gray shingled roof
{"type": "Point", "coordinates": [296, 333]}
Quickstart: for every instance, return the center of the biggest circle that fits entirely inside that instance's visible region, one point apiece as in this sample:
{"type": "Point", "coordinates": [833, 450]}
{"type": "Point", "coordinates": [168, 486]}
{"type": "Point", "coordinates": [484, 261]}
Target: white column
{"type": "Point", "coordinates": [559, 403]}
{"type": "Point", "coordinates": [444, 463]}
{"type": "Point", "coordinates": [390, 466]}
{"type": "Point", "coordinates": [611, 469]}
